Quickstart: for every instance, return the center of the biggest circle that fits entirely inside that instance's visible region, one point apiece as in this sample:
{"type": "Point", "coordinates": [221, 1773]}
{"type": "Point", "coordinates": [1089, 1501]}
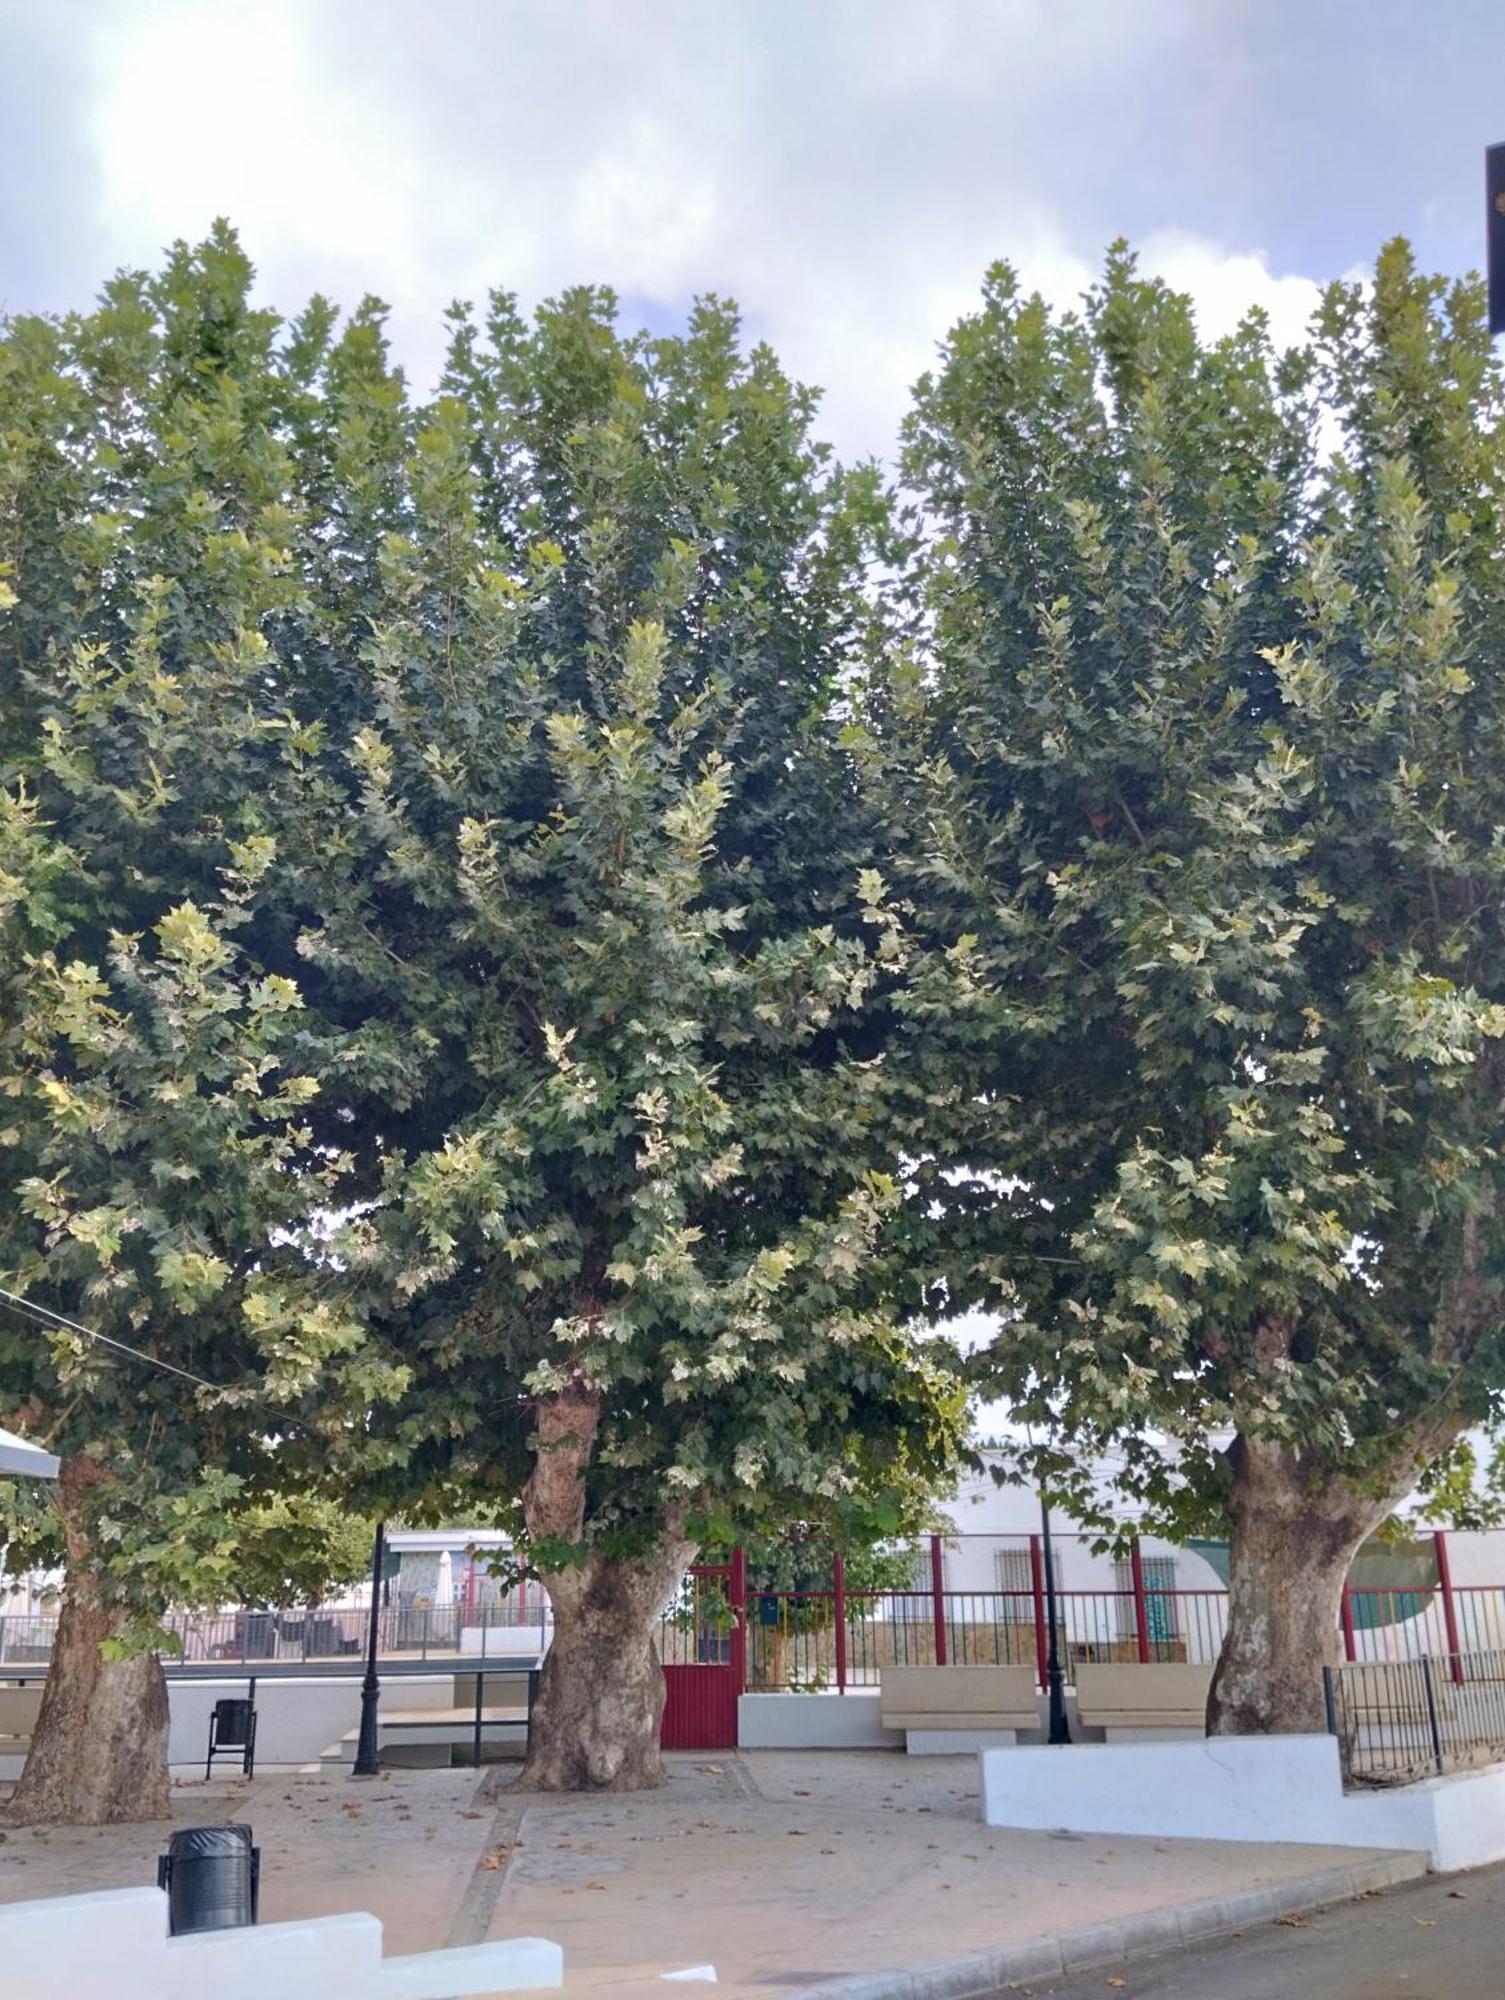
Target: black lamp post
{"type": "Point", "coordinates": [367, 1763]}
{"type": "Point", "coordinates": [1055, 1680]}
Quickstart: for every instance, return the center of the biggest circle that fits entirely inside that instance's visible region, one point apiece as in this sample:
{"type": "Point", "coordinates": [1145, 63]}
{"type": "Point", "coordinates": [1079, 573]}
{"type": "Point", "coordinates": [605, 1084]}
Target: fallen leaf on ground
{"type": "Point", "coordinates": [1292, 1923]}
{"type": "Point", "coordinates": [1427, 1923]}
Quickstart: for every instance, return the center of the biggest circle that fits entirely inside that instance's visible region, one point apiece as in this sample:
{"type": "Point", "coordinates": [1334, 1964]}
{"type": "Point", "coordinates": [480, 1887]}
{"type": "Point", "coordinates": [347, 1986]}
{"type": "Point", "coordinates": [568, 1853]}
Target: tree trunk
{"type": "Point", "coordinates": [99, 1753]}
{"type": "Point", "coordinates": [595, 1723]}
{"type": "Point", "coordinates": [1296, 1528]}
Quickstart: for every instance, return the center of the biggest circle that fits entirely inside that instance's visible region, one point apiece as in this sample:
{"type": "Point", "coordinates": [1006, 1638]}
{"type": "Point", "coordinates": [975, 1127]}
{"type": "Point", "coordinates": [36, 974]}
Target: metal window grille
{"type": "Point", "coordinates": [1016, 1582]}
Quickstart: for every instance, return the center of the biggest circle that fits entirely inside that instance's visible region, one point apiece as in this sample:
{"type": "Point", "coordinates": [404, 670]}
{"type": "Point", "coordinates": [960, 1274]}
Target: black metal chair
{"type": "Point", "coordinates": [232, 1733]}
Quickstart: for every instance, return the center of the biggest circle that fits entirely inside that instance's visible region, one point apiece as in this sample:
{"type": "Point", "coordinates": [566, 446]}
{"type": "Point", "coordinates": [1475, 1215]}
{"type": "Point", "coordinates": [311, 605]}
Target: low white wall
{"type": "Point", "coordinates": [1275, 1788]}
{"type": "Point", "coordinates": [813, 1722]}
{"type": "Point", "coordinates": [497, 1642]}
{"type": "Point", "coordinates": [113, 1945]}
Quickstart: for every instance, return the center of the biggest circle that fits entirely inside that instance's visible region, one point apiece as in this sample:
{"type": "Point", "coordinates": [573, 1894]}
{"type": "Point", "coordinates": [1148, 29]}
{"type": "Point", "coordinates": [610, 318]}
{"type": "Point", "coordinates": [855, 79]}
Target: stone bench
{"type": "Point", "coordinates": [1143, 1703]}
{"type": "Point", "coordinates": [942, 1710]}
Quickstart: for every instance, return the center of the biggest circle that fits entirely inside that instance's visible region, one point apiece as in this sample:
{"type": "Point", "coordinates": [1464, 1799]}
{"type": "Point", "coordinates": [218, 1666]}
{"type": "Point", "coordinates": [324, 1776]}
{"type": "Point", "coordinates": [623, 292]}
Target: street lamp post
{"type": "Point", "coordinates": [367, 1763]}
{"type": "Point", "coordinates": [1055, 1680]}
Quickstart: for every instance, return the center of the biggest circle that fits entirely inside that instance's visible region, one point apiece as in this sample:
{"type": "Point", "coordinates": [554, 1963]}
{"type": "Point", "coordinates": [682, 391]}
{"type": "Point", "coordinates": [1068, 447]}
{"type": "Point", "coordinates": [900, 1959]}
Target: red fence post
{"type": "Point", "coordinates": [1449, 1608]}
{"type": "Point", "coordinates": [1037, 1586]}
{"type": "Point", "coordinates": [839, 1590]}
{"type": "Point", "coordinates": [1350, 1650]}
{"type": "Point", "coordinates": [938, 1596]}
{"type": "Point", "coordinates": [1141, 1603]}
{"type": "Point", "coordinates": [736, 1590]}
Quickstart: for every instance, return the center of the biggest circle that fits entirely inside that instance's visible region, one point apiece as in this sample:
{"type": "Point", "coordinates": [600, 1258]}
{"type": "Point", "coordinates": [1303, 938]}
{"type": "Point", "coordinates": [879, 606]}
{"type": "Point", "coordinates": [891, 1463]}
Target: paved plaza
{"type": "Point", "coordinates": [785, 1870]}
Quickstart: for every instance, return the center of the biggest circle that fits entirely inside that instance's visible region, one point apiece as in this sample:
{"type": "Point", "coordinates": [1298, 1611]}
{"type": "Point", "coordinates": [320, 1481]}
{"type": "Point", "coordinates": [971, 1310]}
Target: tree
{"type": "Point", "coordinates": [594, 866]}
{"type": "Point", "coordinates": [159, 1168]}
{"type": "Point", "coordinates": [294, 1548]}
{"type": "Point", "coordinates": [1212, 825]}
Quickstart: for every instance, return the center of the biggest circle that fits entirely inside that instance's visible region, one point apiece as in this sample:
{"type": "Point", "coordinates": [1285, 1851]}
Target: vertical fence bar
{"type": "Point", "coordinates": [736, 1587]}
{"type": "Point", "coordinates": [1141, 1606]}
{"type": "Point", "coordinates": [938, 1596]}
{"type": "Point", "coordinates": [839, 1593]}
{"type": "Point", "coordinates": [1350, 1651]}
{"type": "Point", "coordinates": [1328, 1701]}
{"type": "Point", "coordinates": [1449, 1607]}
{"type": "Point", "coordinates": [480, 1685]}
{"type": "Point", "coordinates": [1432, 1719]}
{"type": "Point", "coordinates": [1037, 1590]}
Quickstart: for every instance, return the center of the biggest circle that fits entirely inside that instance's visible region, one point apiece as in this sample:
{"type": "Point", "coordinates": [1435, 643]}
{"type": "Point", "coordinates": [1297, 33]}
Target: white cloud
{"type": "Point", "coordinates": [1224, 284]}
{"type": "Point", "coordinates": [847, 172]}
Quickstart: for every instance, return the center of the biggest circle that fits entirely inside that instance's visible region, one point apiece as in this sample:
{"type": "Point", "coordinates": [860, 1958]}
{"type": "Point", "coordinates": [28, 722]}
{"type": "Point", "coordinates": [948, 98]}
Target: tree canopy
{"type": "Point", "coordinates": [1214, 819]}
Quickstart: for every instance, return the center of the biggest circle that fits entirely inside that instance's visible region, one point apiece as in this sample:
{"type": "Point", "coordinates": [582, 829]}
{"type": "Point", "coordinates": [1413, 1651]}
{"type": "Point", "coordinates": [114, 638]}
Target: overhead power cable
{"type": "Point", "coordinates": [45, 1316]}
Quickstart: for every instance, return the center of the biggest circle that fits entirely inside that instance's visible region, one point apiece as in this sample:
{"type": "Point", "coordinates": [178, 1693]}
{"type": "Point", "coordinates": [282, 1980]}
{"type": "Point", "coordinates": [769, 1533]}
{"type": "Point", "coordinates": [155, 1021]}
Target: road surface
{"type": "Point", "coordinates": [1442, 1938]}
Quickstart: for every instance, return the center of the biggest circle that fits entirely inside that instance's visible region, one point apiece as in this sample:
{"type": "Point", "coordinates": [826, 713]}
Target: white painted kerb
{"type": "Point", "coordinates": [1273, 1788]}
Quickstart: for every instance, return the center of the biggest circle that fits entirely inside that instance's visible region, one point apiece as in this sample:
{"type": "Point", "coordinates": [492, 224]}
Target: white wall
{"type": "Point", "coordinates": [814, 1722]}
{"type": "Point", "coordinates": [1257, 1788]}
{"type": "Point", "coordinates": [296, 1720]}
{"type": "Point", "coordinates": [113, 1945]}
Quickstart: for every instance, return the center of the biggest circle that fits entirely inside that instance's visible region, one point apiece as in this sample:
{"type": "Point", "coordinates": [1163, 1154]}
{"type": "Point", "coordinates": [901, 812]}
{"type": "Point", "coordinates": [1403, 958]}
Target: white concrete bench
{"type": "Point", "coordinates": [1135, 1704]}
{"type": "Point", "coordinates": [945, 1709]}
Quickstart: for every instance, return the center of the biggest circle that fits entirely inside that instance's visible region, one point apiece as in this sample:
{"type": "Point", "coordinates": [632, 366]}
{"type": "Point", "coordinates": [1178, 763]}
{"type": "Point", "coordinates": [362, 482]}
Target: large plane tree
{"type": "Point", "coordinates": [160, 1172]}
{"type": "Point", "coordinates": [595, 915]}
{"type": "Point", "coordinates": [1215, 817]}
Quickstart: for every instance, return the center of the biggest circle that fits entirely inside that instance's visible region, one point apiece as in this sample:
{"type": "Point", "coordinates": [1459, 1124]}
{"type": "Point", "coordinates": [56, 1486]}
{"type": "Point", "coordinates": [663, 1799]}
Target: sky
{"type": "Point", "coordinates": [845, 169]}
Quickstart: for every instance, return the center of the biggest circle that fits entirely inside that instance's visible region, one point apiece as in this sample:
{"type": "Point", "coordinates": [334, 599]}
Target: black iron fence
{"type": "Point", "coordinates": [1398, 1721]}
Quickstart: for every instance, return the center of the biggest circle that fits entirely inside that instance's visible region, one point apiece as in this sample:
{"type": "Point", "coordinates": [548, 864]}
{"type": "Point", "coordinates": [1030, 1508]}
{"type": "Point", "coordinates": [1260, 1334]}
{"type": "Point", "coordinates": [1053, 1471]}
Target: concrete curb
{"type": "Point", "coordinates": [1141, 1936]}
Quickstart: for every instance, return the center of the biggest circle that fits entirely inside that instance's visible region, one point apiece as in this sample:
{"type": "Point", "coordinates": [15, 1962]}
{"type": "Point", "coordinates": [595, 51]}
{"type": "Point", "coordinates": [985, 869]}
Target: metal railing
{"type": "Point", "coordinates": [1399, 1721]}
{"type": "Point", "coordinates": [307, 1633]}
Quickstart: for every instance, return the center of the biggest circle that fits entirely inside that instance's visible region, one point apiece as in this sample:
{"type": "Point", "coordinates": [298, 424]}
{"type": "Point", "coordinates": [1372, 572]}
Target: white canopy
{"type": "Point", "coordinates": [23, 1460]}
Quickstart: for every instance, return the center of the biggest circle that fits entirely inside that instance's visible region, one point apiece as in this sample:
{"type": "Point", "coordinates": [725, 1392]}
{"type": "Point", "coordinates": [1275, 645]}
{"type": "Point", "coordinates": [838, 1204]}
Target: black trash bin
{"type": "Point", "coordinates": [259, 1635]}
{"type": "Point", "coordinates": [232, 1717]}
{"type": "Point", "coordinates": [212, 1875]}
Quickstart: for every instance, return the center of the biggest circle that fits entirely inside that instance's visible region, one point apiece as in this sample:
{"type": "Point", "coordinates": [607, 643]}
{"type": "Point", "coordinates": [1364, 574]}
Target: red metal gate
{"type": "Point", "coordinates": [703, 1645]}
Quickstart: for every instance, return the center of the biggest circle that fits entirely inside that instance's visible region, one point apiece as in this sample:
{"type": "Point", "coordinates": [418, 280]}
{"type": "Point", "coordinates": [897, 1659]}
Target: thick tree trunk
{"type": "Point", "coordinates": [595, 1724]}
{"type": "Point", "coordinates": [1296, 1528]}
{"type": "Point", "coordinates": [99, 1753]}
{"type": "Point", "coordinates": [1288, 1557]}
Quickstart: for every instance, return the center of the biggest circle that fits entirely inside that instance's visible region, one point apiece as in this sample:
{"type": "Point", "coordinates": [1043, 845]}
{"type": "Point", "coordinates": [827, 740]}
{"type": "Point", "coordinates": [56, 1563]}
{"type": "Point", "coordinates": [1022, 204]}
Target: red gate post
{"type": "Point", "coordinates": [1350, 1651]}
{"type": "Point", "coordinates": [839, 1590]}
{"type": "Point", "coordinates": [1141, 1603]}
{"type": "Point", "coordinates": [1037, 1587]}
{"type": "Point", "coordinates": [938, 1597]}
{"type": "Point", "coordinates": [1449, 1608]}
{"type": "Point", "coordinates": [736, 1586]}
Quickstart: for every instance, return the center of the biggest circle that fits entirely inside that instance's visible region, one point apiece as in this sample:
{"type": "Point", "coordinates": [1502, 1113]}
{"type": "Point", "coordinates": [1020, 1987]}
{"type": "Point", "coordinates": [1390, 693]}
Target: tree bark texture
{"type": "Point", "coordinates": [99, 1753]}
{"type": "Point", "coordinates": [1296, 1528]}
{"type": "Point", "coordinates": [595, 1723]}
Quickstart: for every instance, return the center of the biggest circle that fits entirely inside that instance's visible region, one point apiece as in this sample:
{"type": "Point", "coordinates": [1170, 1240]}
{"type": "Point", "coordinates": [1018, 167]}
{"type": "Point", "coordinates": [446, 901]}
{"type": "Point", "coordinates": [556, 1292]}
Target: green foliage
{"type": "Point", "coordinates": [296, 1549]}
{"type": "Point", "coordinates": [155, 1067]}
{"type": "Point", "coordinates": [599, 940]}
{"type": "Point", "coordinates": [1212, 826]}
{"type": "Point", "coordinates": [442, 959]}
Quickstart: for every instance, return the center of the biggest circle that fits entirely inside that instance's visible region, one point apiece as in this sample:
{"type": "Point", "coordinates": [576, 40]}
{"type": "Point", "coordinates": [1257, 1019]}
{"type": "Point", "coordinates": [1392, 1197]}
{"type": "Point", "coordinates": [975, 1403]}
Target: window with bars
{"type": "Point", "coordinates": [1016, 1580]}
